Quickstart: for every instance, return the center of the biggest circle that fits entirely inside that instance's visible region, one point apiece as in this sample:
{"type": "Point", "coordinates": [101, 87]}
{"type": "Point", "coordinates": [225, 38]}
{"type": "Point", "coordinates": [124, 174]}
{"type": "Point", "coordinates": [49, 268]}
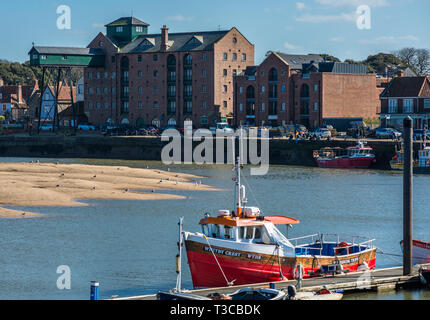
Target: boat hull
{"type": "Point", "coordinates": [360, 163]}
{"type": "Point", "coordinates": [420, 252]}
{"type": "Point", "coordinates": [242, 268]}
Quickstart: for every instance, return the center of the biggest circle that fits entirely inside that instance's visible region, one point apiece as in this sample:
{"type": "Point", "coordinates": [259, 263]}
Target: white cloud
{"type": "Point", "coordinates": [390, 40]}
{"type": "Point", "coordinates": [290, 46]}
{"type": "Point", "coordinates": [315, 18]}
{"type": "Point", "coordinates": [353, 3]}
{"type": "Point", "coordinates": [98, 25]}
{"type": "Point", "coordinates": [300, 5]}
{"type": "Point", "coordinates": [179, 18]}
{"type": "Point", "coordinates": [337, 39]}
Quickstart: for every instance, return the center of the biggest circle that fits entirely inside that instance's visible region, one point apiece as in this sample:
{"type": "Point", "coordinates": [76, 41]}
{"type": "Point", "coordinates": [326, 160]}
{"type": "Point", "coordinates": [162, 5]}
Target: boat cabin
{"type": "Point", "coordinates": [424, 157]}
{"type": "Point", "coordinates": [253, 228]}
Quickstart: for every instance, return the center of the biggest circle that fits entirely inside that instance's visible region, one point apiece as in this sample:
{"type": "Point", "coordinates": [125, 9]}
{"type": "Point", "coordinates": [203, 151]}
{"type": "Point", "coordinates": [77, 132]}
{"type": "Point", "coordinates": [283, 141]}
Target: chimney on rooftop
{"type": "Point", "coordinates": [164, 38]}
{"type": "Point", "coordinates": [19, 93]}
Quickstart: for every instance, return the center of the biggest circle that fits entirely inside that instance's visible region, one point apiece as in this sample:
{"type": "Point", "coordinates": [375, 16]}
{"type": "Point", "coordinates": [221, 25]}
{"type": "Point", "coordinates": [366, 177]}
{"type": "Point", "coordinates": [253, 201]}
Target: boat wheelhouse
{"type": "Point", "coordinates": [359, 156]}
{"type": "Point", "coordinates": [243, 247]}
{"type": "Point", "coordinates": [420, 166]}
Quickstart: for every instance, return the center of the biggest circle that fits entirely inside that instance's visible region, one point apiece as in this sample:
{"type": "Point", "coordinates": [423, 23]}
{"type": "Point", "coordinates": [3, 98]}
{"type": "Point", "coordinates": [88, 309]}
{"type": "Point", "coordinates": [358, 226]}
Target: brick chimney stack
{"type": "Point", "coordinates": [164, 38]}
{"type": "Point", "coordinates": [19, 93]}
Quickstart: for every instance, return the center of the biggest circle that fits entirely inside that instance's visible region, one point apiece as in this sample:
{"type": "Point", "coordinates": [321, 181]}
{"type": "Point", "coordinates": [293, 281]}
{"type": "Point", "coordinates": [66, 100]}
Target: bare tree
{"type": "Point", "coordinates": [422, 61]}
{"type": "Point", "coordinates": [407, 55]}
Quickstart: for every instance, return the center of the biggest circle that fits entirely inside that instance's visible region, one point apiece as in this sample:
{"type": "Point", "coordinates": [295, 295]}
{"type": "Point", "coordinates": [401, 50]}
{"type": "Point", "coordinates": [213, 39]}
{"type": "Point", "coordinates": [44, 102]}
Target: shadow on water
{"type": "Point", "coordinates": [130, 246]}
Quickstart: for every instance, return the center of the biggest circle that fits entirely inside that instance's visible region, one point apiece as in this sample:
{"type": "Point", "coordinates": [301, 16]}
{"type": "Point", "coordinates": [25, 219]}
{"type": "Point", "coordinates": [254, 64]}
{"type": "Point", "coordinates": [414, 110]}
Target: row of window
{"type": "Point", "coordinates": [171, 105]}
{"type": "Point", "coordinates": [234, 56]}
{"type": "Point", "coordinates": [408, 105]}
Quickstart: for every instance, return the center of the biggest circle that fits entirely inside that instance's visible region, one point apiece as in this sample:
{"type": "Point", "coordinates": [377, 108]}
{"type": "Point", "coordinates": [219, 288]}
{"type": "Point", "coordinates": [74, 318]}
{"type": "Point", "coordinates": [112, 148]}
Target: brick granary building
{"type": "Point", "coordinates": [165, 78]}
{"type": "Point", "coordinates": [304, 89]}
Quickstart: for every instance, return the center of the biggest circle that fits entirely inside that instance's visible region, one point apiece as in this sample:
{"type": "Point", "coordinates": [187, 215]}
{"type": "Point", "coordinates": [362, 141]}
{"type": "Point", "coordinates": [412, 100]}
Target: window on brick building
{"type": "Point", "coordinates": [204, 89]}
{"type": "Point", "coordinates": [155, 105]}
{"type": "Point", "coordinates": [225, 104]}
{"type": "Point", "coordinates": [139, 58]}
{"type": "Point", "coordinates": [106, 75]}
{"type": "Point", "coordinates": [90, 75]}
{"type": "Point", "coordinates": [98, 105]}
{"type": "Point", "coordinates": [392, 106]}
{"type": "Point", "coordinates": [234, 56]}
{"type": "Point", "coordinates": [139, 74]}
{"type": "Point", "coordinates": [225, 56]}
{"type": "Point", "coordinates": [105, 90]}
{"type": "Point", "coordinates": [315, 106]}
{"type": "Point", "coordinates": [90, 105]}
{"type": "Point", "coordinates": [204, 73]}
{"type": "Point", "coordinates": [204, 56]}
{"type": "Point", "coordinates": [224, 72]}
{"type": "Point", "coordinates": [155, 57]}
{"type": "Point", "coordinates": [140, 89]}
{"type": "Point", "coordinates": [241, 107]}
{"type": "Point", "coordinates": [315, 88]}
{"type": "Point", "coordinates": [98, 75]}
{"type": "Point", "coordinates": [263, 107]}
{"type": "Point", "coordinates": [98, 91]}
{"type": "Point", "coordinates": [113, 75]}
{"type": "Point", "coordinates": [106, 105]}
{"type": "Point", "coordinates": [155, 74]}
{"type": "Point", "coordinates": [140, 105]}
{"type": "Point", "coordinates": [240, 90]}
{"type": "Point", "coordinates": [427, 103]}
{"type": "Point", "coordinates": [204, 105]}
{"type": "Point", "coordinates": [263, 89]}
{"type": "Point", "coordinates": [243, 56]}
{"type": "Point", "coordinates": [90, 91]}
{"type": "Point", "coordinates": [283, 88]}
{"type": "Point", "coordinates": [408, 105]}
{"type": "Point", "coordinates": [224, 88]}
{"type": "Point", "coordinates": [283, 107]}
{"type": "Point", "coordinates": [204, 120]}
{"type": "Point", "coordinates": [113, 105]}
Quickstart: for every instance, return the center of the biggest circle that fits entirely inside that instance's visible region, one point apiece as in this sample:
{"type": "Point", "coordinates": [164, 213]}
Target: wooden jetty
{"type": "Point", "coordinates": [380, 279]}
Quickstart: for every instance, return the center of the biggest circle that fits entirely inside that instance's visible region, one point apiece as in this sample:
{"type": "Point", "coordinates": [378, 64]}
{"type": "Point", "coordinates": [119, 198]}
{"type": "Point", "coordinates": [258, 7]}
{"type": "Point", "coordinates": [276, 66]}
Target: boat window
{"type": "Point", "coordinates": [205, 230]}
{"type": "Point", "coordinates": [228, 232]}
{"type": "Point", "coordinates": [241, 232]}
{"type": "Point", "coordinates": [250, 233]}
{"type": "Point", "coordinates": [215, 231]}
{"type": "Point", "coordinates": [257, 235]}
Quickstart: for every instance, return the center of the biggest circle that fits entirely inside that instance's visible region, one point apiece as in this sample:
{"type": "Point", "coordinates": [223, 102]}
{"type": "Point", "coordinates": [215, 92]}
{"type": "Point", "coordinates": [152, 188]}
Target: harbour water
{"type": "Point", "coordinates": [130, 246]}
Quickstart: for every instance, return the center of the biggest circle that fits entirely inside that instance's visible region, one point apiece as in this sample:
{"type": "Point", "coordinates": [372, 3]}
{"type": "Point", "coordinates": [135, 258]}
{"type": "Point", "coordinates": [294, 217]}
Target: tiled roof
{"type": "Point", "coordinates": [406, 87]}
{"type": "Point", "coordinates": [10, 94]}
{"type": "Point", "coordinates": [187, 41]}
{"type": "Point", "coordinates": [125, 21]}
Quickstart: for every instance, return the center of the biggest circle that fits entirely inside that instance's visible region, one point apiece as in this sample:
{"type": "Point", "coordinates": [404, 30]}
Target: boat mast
{"type": "Point", "coordinates": [179, 257]}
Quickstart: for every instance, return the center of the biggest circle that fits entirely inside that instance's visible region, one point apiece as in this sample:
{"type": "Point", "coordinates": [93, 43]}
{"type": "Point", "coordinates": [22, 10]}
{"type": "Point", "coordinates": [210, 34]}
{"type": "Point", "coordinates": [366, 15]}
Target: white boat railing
{"type": "Point", "coordinates": [356, 241]}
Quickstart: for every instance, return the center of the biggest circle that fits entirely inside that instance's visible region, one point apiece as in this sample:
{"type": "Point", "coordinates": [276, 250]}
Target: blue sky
{"type": "Point", "coordinates": [303, 26]}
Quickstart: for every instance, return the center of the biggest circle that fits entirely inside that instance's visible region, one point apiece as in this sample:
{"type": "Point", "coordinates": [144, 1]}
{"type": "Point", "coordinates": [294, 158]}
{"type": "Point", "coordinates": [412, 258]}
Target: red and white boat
{"type": "Point", "coordinates": [243, 247]}
{"type": "Point", "coordinates": [359, 156]}
{"type": "Point", "coordinates": [420, 252]}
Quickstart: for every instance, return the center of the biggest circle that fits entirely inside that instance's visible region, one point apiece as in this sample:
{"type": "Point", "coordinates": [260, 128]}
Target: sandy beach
{"type": "Point", "coordinates": [47, 185]}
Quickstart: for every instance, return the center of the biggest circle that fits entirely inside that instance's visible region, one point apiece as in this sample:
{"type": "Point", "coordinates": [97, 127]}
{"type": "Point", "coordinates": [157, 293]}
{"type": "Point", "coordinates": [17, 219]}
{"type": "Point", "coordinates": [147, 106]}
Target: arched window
{"type": "Point", "coordinates": [155, 122]}
{"type": "Point", "coordinates": [125, 121]}
{"type": "Point", "coordinates": [171, 60]}
{"type": "Point", "coordinates": [273, 75]}
{"type": "Point", "coordinates": [171, 122]}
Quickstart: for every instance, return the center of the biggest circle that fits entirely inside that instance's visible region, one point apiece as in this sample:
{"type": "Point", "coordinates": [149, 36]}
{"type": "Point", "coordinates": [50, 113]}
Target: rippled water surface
{"type": "Point", "coordinates": [130, 246]}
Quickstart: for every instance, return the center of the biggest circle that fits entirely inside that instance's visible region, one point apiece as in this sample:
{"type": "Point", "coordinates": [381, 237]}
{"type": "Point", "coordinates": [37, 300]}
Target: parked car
{"type": "Point", "coordinates": [301, 129]}
{"type": "Point", "coordinates": [86, 127]}
{"type": "Point", "coordinates": [387, 133]}
{"type": "Point", "coordinates": [46, 127]}
{"type": "Point", "coordinates": [419, 134]}
{"type": "Point", "coordinates": [222, 128]}
{"type": "Point", "coordinates": [322, 133]}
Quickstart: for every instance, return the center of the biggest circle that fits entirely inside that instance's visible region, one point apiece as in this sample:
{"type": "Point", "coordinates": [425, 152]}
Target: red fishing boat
{"type": "Point", "coordinates": [244, 247]}
{"type": "Point", "coordinates": [420, 251]}
{"type": "Point", "coordinates": [359, 156]}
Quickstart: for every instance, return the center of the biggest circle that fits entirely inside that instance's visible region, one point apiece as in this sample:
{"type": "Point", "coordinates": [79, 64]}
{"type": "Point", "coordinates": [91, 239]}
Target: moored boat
{"type": "Point", "coordinates": [420, 251]}
{"type": "Point", "coordinates": [244, 247]}
{"type": "Point", "coordinates": [359, 156]}
{"type": "Point", "coordinates": [421, 165]}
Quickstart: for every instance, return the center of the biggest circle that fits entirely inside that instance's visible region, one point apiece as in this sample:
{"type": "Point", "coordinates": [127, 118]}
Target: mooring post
{"type": "Point", "coordinates": [407, 196]}
{"type": "Point", "coordinates": [94, 290]}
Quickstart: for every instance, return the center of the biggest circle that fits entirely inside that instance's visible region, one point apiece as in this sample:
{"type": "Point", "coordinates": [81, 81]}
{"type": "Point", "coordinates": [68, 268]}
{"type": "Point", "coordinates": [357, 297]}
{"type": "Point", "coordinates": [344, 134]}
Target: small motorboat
{"type": "Point", "coordinates": [359, 156]}
{"type": "Point", "coordinates": [323, 294]}
{"type": "Point", "coordinates": [245, 294]}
